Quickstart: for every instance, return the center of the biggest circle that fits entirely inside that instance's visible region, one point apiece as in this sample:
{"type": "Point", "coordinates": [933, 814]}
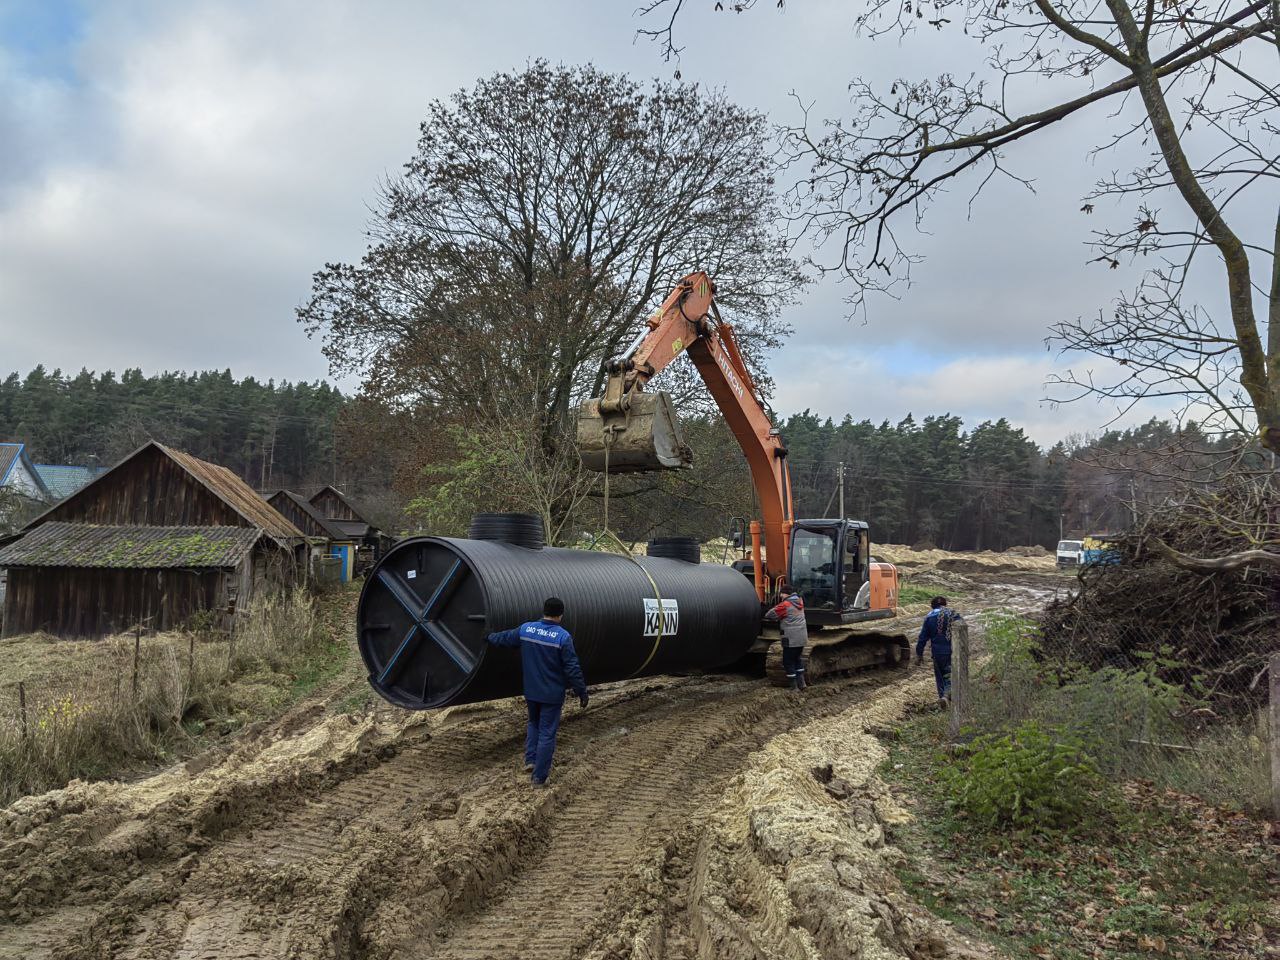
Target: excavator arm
{"type": "Point", "coordinates": [628, 429]}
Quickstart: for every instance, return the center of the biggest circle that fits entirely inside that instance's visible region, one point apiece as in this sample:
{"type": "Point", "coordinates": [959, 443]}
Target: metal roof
{"type": "Point", "coordinates": [64, 480]}
{"type": "Point", "coordinates": [348, 529]}
{"type": "Point", "coordinates": [10, 454]}
{"type": "Point", "coordinates": [61, 544]}
{"type": "Point", "coordinates": [236, 494]}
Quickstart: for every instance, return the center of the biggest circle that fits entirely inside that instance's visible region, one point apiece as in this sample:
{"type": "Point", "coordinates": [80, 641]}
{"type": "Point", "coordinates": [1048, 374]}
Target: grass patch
{"type": "Point", "coordinates": [1147, 872]}
{"type": "Point", "coordinates": [1135, 723]}
{"type": "Point", "coordinates": [909, 593]}
{"type": "Point", "coordinates": [94, 709]}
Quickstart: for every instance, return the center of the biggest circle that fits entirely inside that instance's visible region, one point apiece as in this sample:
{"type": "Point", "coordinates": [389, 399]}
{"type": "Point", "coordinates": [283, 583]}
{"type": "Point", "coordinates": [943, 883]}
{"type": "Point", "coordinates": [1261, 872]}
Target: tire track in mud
{"type": "Point", "coordinates": [622, 822]}
{"type": "Point", "coordinates": [248, 866]}
{"type": "Point", "coordinates": [430, 845]}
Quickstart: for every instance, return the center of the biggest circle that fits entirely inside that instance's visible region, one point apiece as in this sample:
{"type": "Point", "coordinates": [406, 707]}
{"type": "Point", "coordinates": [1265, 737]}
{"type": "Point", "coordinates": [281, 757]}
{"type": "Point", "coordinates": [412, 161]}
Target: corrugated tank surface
{"type": "Point", "coordinates": [430, 603]}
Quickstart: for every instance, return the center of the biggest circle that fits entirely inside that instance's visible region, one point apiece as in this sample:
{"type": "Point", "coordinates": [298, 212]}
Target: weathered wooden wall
{"type": "Point", "coordinates": [149, 489]}
{"type": "Point", "coordinates": [79, 602]}
{"type": "Point", "coordinates": [297, 516]}
{"type": "Point", "coordinates": [333, 507]}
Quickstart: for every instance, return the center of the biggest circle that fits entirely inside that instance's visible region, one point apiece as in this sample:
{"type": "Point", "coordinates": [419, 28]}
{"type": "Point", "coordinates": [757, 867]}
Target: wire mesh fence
{"type": "Point", "coordinates": [1178, 710]}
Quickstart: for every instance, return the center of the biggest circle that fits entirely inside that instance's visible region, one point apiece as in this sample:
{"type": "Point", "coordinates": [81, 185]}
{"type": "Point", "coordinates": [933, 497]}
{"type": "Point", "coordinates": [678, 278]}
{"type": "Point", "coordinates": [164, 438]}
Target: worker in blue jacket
{"type": "Point", "coordinates": [550, 667]}
{"type": "Point", "coordinates": [936, 631]}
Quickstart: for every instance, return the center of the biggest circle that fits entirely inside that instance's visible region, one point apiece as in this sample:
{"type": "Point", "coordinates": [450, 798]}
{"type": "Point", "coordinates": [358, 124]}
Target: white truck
{"type": "Point", "coordinates": [1070, 553]}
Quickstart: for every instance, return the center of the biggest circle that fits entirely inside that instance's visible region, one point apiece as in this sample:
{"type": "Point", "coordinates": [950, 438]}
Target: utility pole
{"type": "Point", "coordinates": [841, 488]}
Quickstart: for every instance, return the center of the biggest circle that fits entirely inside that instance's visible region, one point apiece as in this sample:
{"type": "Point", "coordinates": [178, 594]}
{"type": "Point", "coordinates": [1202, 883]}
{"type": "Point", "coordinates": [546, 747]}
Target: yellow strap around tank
{"type": "Point", "coordinates": [622, 547]}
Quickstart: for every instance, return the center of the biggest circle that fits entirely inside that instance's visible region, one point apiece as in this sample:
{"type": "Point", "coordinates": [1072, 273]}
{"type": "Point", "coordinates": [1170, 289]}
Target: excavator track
{"type": "Point", "coordinates": [843, 651]}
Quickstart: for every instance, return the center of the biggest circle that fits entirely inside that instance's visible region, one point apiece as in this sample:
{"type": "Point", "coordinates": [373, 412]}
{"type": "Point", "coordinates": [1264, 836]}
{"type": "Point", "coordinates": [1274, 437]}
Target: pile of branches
{"type": "Point", "coordinates": [1194, 593]}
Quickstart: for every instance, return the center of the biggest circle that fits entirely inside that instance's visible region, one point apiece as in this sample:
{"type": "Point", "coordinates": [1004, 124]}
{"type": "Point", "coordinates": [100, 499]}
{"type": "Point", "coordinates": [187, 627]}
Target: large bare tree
{"type": "Point", "coordinates": [1191, 85]}
{"type": "Point", "coordinates": [543, 216]}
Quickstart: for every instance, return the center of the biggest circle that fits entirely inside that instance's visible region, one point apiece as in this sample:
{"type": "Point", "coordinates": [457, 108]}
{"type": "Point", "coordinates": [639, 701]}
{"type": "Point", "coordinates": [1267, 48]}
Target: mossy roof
{"type": "Point", "coordinates": [60, 544]}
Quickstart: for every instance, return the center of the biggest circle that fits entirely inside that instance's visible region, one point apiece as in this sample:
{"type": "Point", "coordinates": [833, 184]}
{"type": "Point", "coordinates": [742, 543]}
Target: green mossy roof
{"type": "Point", "coordinates": [57, 544]}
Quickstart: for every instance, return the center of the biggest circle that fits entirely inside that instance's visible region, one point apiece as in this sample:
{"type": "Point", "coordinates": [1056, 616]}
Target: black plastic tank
{"type": "Point", "coordinates": [676, 548]}
{"type": "Point", "coordinates": [522, 529]}
{"type": "Point", "coordinates": [431, 602]}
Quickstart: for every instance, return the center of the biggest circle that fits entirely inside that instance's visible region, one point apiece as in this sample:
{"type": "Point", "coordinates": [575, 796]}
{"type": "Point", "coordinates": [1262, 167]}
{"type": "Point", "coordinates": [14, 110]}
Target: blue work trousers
{"type": "Point", "coordinates": [540, 739]}
{"type": "Point", "coordinates": [942, 674]}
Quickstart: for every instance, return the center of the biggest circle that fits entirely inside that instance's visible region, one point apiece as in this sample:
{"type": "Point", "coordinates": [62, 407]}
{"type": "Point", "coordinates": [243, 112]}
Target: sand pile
{"type": "Point", "coordinates": [794, 862]}
{"type": "Point", "coordinates": [981, 561]}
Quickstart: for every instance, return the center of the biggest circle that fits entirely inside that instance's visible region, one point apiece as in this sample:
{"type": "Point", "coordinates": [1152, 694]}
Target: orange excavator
{"type": "Point", "coordinates": [827, 561]}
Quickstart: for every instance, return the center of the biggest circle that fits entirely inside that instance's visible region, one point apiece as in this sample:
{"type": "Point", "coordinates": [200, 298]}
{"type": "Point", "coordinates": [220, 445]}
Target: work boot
{"type": "Point", "coordinates": [528, 767]}
{"type": "Point", "coordinates": [795, 681]}
{"type": "Point", "coordinates": [800, 681]}
{"type": "Point", "coordinates": [540, 784]}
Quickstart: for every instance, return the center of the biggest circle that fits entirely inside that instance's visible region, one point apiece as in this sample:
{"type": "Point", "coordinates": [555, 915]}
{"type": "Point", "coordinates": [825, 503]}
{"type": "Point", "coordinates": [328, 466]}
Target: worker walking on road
{"type": "Point", "coordinates": [550, 667]}
{"type": "Point", "coordinates": [936, 630]}
{"type": "Point", "coordinates": [789, 612]}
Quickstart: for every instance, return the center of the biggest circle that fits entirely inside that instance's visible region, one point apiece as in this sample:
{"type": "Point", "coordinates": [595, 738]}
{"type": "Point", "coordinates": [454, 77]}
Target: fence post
{"type": "Point", "coordinates": [1273, 670]}
{"type": "Point", "coordinates": [191, 660]}
{"type": "Point", "coordinates": [22, 706]}
{"type": "Point", "coordinates": [959, 677]}
{"type": "Point", "coordinates": [137, 648]}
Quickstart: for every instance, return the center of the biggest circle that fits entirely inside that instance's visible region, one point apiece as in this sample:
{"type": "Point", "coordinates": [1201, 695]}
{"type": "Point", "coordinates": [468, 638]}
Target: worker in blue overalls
{"type": "Point", "coordinates": [936, 631]}
{"type": "Point", "coordinates": [550, 667]}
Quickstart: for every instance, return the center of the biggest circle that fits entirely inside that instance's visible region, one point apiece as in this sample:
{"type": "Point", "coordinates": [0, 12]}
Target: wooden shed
{"type": "Point", "coordinates": [327, 539]}
{"type": "Point", "coordinates": [370, 542]}
{"type": "Point", "coordinates": [158, 538]}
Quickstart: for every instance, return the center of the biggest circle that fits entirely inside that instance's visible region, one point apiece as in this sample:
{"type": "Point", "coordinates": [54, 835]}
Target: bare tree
{"type": "Point", "coordinates": [1203, 79]}
{"type": "Point", "coordinates": [544, 214]}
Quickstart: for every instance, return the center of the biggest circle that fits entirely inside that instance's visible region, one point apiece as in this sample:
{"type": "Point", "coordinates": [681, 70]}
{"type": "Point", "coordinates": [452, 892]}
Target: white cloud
{"type": "Point", "coordinates": [867, 385]}
{"type": "Point", "coordinates": [170, 193]}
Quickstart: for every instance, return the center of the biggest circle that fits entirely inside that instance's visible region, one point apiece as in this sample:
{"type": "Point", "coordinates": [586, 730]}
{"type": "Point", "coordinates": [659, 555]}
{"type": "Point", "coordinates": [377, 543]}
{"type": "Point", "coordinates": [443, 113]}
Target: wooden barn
{"type": "Point", "coordinates": [328, 541]}
{"type": "Point", "coordinates": [160, 537]}
{"type": "Point", "coordinates": [370, 542]}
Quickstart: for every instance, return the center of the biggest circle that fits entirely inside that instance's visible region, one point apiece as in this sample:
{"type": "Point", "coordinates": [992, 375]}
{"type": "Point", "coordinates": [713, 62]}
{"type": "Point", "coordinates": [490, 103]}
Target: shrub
{"type": "Point", "coordinates": [1033, 777]}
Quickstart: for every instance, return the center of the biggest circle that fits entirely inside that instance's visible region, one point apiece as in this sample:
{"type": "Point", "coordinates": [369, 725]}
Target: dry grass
{"type": "Point", "coordinates": [89, 709]}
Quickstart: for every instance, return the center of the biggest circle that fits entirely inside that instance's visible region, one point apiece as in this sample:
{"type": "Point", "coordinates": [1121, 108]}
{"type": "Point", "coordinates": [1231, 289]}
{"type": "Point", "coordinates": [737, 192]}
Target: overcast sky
{"type": "Point", "coordinates": [171, 174]}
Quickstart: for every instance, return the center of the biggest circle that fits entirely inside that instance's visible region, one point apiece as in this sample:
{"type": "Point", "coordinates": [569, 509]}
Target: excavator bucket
{"type": "Point", "coordinates": [645, 437]}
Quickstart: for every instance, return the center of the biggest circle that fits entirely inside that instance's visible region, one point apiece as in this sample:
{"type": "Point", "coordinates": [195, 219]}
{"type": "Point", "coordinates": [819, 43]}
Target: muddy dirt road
{"type": "Point", "coordinates": [393, 836]}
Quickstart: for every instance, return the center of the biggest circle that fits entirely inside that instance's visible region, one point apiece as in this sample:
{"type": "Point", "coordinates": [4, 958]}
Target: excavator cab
{"type": "Point", "coordinates": [831, 568]}
{"type": "Point", "coordinates": [640, 433]}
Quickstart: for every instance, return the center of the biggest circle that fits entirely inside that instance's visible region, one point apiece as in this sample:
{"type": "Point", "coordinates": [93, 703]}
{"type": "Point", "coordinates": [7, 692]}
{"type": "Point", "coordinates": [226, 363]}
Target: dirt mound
{"type": "Point", "coordinates": [794, 862]}
{"type": "Point", "coordinates": [349, 836]}
{"type": "Point", "coordinates": [1029, 551]}
{"type": "Point", "coordinates": [981, 561]}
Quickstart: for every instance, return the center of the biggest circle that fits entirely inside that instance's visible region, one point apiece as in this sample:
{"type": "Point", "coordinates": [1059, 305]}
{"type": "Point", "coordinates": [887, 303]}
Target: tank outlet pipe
{"type": "Point", "coordinates": [429, 604]}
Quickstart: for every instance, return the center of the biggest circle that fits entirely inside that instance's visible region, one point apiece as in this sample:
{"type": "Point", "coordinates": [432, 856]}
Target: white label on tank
{"type": "Point", "coordinates": [412, 574]}
{"type": "Point", "coordinates": [668, 619]}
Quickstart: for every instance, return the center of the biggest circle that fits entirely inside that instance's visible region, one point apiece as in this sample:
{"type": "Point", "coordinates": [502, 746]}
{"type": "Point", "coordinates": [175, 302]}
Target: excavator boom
{"type": "Point", "coordinates": [628, 430]}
